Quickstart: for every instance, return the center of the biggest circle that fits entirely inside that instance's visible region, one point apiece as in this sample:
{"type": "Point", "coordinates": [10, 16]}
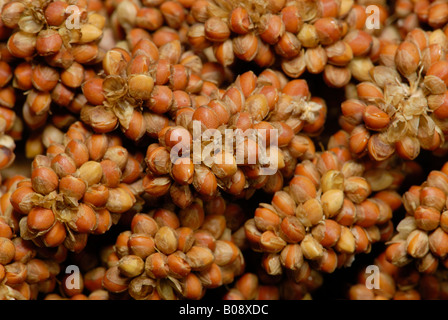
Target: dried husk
{"type": "Point", "coordinates": [166, 289]}
{"type": "Point", "coordinates": [295, 67]}
{"type": "Point", "coordinates": [360, 67]}
{"type": "Point", "coordinates": [171, 51]}
{"type": "Point", "coordinates": [284, 108]}
{"type": "Point", "coordinates": [396, 130]}
{"type": "Point", "coordinates": [435, 101]}
{"type": "Point", "coordinates": [98, 117]}
{"type": "Point", "coordinates": [401, 258]}
{"type": "Point", "coordinates": [441, 127]}
{"type": "Point", "coordinates": [311, 248]}
{"type": "Point", "coordinates": [73, 240]}
{"type": "Point", "coordinates": [307, 111]}
{"type": "Point", "coordinates": [29, 201]}
{"type": "Point", "coordinates": [410, 202]}
{"type": "Point", "coordinates": [406, 226]}
{"type": "Point", "coordinates": [126, 12]}
{"type": "Point", "coordinates": [124, 110]}
{"type": "Point", "coordinates": [222, 8]}
{"type": "Point", "coordinates": [421, 248]}
{"type": "Point", "coordinates": [274, 265]}
{"type": "Point", "coordinates": [228, 54]}
{"type": "Point", "coordinates": [119, 200]}
{"type": "Point", "coordinates": [29, 24]}
{"type": "Point", "coordinates": [426, 131]}
{"type": "Point", "coordinates": [89, 33]}
{"type": "Point", "coordinates": [200, 174]}
{"type": "Point", "coordinates": [64, 208]}
{"type": "Point", "coordinates": [379, 179]}
{"type": "Point", "coordinates": [8, 293]}
{"type": "Point", "coordinates": [141, 287]}
{"type": "Point", "coordinates": [394, 94]}
{"type": "Point", "coordinates": [383, 75]}
{"type": "Point", "coordinates": [352, 168]}
{"type": "Point", "coordinates": [308, 36]}
{"type": "Point", "coordinates": [115, 88]}
{"type": "Point", "coordinates": [191, 61]}
{"type": "Point", "coordinates": [308, 9]}
{"type": "Point", "coordinates": [25, 232]}
{"type": "Point", "coordinates": [381, 148]}
{"type": "Point", "coordinates": [434, 84]}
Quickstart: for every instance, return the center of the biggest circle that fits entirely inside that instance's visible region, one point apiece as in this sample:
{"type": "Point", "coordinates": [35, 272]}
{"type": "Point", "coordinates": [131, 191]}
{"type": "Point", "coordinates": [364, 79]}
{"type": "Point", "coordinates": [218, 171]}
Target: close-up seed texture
{"type": "Point", "coordinates": [223, 150]}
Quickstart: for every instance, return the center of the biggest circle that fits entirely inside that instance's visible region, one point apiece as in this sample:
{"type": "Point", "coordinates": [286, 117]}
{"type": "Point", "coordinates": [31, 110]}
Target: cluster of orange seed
{"type": "Point", "coordinates": [79, 187]}
{"type": "Point", "coordinates": [175, 147]}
